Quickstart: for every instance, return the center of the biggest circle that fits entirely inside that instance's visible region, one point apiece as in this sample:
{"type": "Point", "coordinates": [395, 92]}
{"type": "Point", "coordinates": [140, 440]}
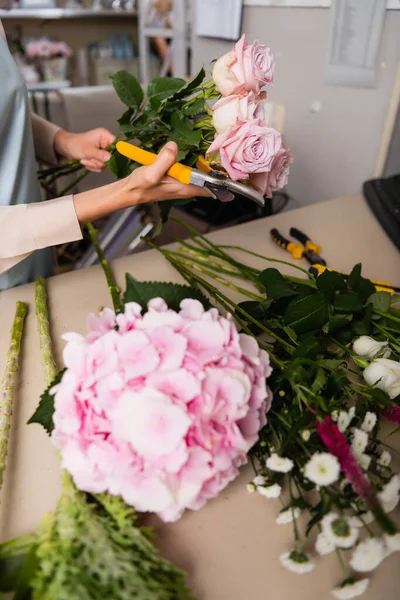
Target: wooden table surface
{"type": "Point", "coordinates": [230, 547]}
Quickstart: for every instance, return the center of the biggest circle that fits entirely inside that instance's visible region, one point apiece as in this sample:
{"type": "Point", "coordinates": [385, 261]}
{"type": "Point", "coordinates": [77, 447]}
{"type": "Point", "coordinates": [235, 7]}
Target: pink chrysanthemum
{"type": "Point", "coordinates": [161, 408]}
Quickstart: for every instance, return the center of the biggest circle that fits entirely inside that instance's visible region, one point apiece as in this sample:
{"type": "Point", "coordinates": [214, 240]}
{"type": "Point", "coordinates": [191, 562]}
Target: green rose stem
{"type": "Point", "coordinates": [112, 285]}
{"type": "Point", "coordinates": [74, 183]}
{"type": "Point", "coordinates": [9, 382]}
{"type": "Point", "coordinates": [43, 326]}
{"type": "Point", "coordinates": [225, 302]}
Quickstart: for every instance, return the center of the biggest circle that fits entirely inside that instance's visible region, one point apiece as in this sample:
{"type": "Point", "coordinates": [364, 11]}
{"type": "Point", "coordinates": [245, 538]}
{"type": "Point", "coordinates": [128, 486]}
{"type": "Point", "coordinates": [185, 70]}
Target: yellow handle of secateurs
{"type": "Point", "coordinates": [177, 171]}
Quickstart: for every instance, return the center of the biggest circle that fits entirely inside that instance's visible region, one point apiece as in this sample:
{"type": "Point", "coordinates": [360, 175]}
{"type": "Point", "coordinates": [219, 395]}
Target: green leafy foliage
{"type": "Point", "coordinates": [44, 412]}
{"type": "Point", "coordinates": [306, 314]}
{"type": "Point", "coordinates": [94, 546]}
{"type": "Point", "coordinates": [91, 547]}
{"type": "Point", "coordinates": [128, 89]}
{"type": "Point", "coordinates": [275, 284]}
{"type": "Point", "coordinates": [172, 293]}
{"type": "Point", "coordinates": [162, 88]}
{"type": "Point", "coordinates": [380, 301]}
{"type": "Point", "coordinates": [119, 165]}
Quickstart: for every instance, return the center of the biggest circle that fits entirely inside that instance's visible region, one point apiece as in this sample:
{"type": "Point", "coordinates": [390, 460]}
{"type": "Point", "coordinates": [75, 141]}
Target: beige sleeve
{"type": "Point", "coordinates": [28, 227]}
{"type": "Point", "coordinates": [43, 137]}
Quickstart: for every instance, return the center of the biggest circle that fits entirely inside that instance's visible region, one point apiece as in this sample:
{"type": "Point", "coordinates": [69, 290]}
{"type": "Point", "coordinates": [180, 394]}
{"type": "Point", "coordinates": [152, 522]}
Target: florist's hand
{"type": "Point", "coordinates": [88, 147]}
{"type": "Point", "coordinates": [145, 184]}
{"type": "Point", "coordinates": [150, 184]}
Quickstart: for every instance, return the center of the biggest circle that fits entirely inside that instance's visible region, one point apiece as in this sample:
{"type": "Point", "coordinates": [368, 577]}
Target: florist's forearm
{"type": "Point", "coordinates": [97, 203]}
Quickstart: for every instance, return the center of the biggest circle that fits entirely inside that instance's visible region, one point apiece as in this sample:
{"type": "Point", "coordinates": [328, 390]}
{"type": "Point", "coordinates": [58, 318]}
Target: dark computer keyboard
{"type": "Point", "coordinates": [383, 197]}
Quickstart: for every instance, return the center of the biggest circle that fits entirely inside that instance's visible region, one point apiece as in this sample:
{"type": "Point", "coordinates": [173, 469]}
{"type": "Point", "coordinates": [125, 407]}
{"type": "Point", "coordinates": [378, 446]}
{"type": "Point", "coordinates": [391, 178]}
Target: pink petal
{"type": "Point", "coordinates": [149, 422]}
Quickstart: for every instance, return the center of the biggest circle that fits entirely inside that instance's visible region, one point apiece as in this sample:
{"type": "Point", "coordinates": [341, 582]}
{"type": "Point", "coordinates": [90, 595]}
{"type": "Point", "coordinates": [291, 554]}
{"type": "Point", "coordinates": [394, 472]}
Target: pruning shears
{"type": "Point", "coordinates": [312, 253]}
{"type": "Point", "coordinates": [220, 185]}
{"type": "Point", "coordinates": [306, 249]}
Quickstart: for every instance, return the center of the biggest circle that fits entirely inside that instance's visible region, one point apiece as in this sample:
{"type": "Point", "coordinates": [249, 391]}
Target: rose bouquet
{"type": "Point", "coordinates": [222, 118]}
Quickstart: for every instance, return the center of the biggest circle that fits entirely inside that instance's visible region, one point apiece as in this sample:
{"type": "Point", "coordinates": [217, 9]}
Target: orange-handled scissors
{"type": "Point", "coordinates": [219, 184]}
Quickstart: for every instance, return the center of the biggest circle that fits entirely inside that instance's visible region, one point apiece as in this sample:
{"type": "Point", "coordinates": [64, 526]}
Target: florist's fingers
{"type": "Point", "coordinates": [181, 190]}
{"type": "Point", "coordinates": [97, 154]}
{"type": "Point", "coordinates": [92, 165]}
{"type": "Point", "coordinates": [106, 137]}
{"type": "Point", "coordinates": [164, 161]}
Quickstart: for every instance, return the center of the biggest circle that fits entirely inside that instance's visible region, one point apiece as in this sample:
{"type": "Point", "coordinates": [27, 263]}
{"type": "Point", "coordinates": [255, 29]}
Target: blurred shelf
{"type": "Point", "coordinates": [48, 86]}
{"type": "Point", "coordinates": [64, 13]}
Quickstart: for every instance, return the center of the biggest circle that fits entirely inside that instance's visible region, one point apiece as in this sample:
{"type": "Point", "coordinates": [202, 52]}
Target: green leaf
{"type": "Point", "coordinates": [330, 363]}
{"type": "Point", "coordinates": [337, 322]}
{"type": "Point", "coordinates": [258, 310]}
{"type": "Point", "coordinates": [128, 89]}
{"type": "Point", "coordinates": [197, 107]}
{"type": "Point", "coordinates": [319, 381]}
{"type": "Point", "coordinates": [125, 119]}
{"type": "Point", "coordinates": [275, 284]}
{"type": "Point", "coordinates": [330, 282]}
{"type": "Point", "coordinates": [182, 132]}
{"type": "Point", "coordinates": [9, 570]}
{"type": "Point", "coordinates": [17, 570]}
{"type": "Point", "coordinates": [190, 86]}
{"type": "Point", "coordinates": [163, 88]}
{"type": "Point", "coordinates": [380, 301]}
{"type": "Point", "coordinates": [165, 208]}
{"type": "Point", "coordinates": [307, 314]}
{"type": "Point", "coordinates": [347, 303]}
{"type": "Point", "coordinates": [309, 347]}
{"type": "Point", "coordinates": [362, 286]}
{"type": "Point", "coordinates": [354, 278]}
{"type": "Point", "coordinates": [361, 327]}
{"type": "Point", "coordinates": [172, 293]}
{"type": "Point", "coordinates": [119, 165]}
{"type": "Point", "coordinates": [44, 412]}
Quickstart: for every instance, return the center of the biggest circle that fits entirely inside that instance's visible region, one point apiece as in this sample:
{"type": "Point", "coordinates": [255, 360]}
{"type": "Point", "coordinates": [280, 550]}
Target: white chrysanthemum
{"type": "Point", "coordinates": [364, 519]}
{"type": "Point", "coordinates": [279, 463]}
{"type": "Point", "coordinates": [324, 544]}
{"type": "Point", "coordinates": [270, 491]}
{"type": "Point", "coordinates": [384, 459]}
{"type": "Point", "coordinates": [306, 434]}
{"type": "Point", "coordinates": [393, 542]}
{"type": "Point", "coordinates": [334, 415]}
{"type": "Point", "coordinates": [298, 562]}
{"type": "Point", "coordinates": [369, 422]}
{"type": "Point", "coordinates": [339, 530]}
{"type": "Point", "coordinates": [343, 420]}
{"type": "Point", "coordinates": [359, 441]}
{"type": "Point", "coordinates": [251, 488]}
{"type": "Point", "coordinates": [259, 480]}
{"type": "Point", "coordinates": [350, 589]}
{"type": "Point", "coordinates": [389, 496]}
{"type": "Point", "coordinates": [368, 555]}
{"type": "Point", "coordinates": [322, 468]}
{"type": "Point", "coordinates": [286, 516]}
{"type": "Point", "coordinates": [369, 348]}
{"type": "Point", "coordinates": [364, 460]}
{"type": "Point", "coordinates": [352, 412]}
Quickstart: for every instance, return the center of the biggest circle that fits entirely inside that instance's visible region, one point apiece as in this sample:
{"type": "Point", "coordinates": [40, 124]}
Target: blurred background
{"type": "Point", "coordinates": [335, 100]}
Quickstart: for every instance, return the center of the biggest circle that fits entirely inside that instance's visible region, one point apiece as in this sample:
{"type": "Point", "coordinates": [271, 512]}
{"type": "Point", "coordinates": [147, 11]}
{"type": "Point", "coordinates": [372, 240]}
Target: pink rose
{"type": "Point", "coordinates": [231, 110]}
{"type": "Point", "coordinates": [244, 68]}
{"type": "Point", "coordinates": [247, 148]}
{"type": "Point", "coordinates": [277, 177]}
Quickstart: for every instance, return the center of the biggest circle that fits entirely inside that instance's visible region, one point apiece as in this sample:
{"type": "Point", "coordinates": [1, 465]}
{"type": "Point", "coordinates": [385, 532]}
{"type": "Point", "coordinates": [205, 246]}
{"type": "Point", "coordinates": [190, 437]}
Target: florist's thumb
{"type": "Point", "coordinates": [164, 161]}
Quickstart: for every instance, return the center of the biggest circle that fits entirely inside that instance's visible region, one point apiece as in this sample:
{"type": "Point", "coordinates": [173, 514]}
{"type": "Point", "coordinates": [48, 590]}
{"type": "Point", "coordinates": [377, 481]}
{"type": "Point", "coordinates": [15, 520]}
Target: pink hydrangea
{"type": "Point", "coordinates": [160, 408]}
